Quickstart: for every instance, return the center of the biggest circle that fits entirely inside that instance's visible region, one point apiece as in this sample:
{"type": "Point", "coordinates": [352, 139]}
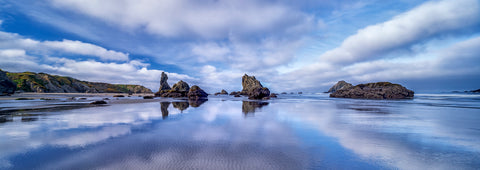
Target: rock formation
{"type": "Point", "coordinates": [163, 82]}
{"type": "Point", "coordinates": [475, 91]}
{"type": "Point", "coordinates": [46, 83]}
{"type": "Point", "coordinates": [340, 85]}
{"type": "Point", "coordinates": [253, 88]}
{"type": "Point", "coordinates": [223, 92]}
{"type": "Point", "coordinates": [7, 87]}
{"type": "Point", "coordinates": [180, 86]}
{"type": "Point", "coordinates": [196, 93]}
{"type": "Point", "coordinates": [379, 90]}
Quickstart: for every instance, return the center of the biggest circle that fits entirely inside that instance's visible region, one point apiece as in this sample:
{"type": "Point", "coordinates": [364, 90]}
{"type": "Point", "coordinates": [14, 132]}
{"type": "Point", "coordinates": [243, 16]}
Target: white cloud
{"type": "Point", "coordinates": [20, 54]}
{"type": "Point", "coordinates": [78, 47]}
{"type": "Point", "coordinates": [15, 41]}
{"type": "Point", "coordinates": [424, 21]}
{"type": "Point", "coordinates": [172, 18]}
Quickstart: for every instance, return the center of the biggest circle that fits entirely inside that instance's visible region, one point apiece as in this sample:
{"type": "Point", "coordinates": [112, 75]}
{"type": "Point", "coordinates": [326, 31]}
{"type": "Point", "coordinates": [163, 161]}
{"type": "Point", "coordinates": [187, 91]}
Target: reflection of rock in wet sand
{"type": "Point", "coordinates": [249, 107]}
{"type": "Point", "coordinates": [197, 103]}
{"type": "Point", "coordinates": [164, 109]}
{"type": "Point", "coordinates": [180, 105]}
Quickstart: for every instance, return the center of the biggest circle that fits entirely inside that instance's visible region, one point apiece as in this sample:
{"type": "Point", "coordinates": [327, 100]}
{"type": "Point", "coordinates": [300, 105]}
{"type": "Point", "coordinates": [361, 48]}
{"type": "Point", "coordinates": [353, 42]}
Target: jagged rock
{"type": "Point", "coordinates": [196, 93]}
{"type": "Point", "coordinates": [163, 82]}
{"type": "Point", "coordinates": [250, 83]}
{"type": "Point", "coordinates": [99, 102]}
{"type": "Point", "coordinates": [253, 88]}
{"type": "Point", "coordinates": [7, 87]}
{"type": "Point", "coordinates": [340, 85]}
{"type": "Point", "coordinates": [273, 95]}
{"type": "Point", "coordinates": [223, 92]}
{"type": "Point", "coordinates": [379, 90]}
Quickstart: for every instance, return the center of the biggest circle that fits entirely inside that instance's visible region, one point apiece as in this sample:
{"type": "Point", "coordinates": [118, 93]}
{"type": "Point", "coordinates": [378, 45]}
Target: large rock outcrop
{"type": "Point", "coordinates": [7, 86]}
{"type": "Point", "coordinates": [163, 82]}
{"type": "Point", "coordinates": [196, 93]}
{"type": "Point", "coordinates": [253, 88]}
{"type": "Point", "coordinates": [179, 89]}
{"type": "Point", "coordinates": [379, 90]}
{"type": "Point", "coordinates": [340, 85]}
{"type": "Point", "coordinates": [46, 83]}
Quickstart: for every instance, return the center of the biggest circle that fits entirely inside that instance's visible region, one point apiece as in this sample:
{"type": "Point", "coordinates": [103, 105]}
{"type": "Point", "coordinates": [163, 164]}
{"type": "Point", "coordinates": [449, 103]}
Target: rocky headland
{"type": "Point", "coordinates": [7, 87]}
{"type": "Point", "coordinates": [379, 90]}
{"type": "Point", "coordinates": [46, 83]}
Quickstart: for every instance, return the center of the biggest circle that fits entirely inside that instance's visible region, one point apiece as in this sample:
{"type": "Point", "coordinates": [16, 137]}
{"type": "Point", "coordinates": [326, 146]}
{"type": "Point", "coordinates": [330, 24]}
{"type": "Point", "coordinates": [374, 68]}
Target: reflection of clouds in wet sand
{"type": "Point", "coordinates": [86, 138]}
{"type": "Point", "coordinates": [393, 139]}
{"type": "Point", "coordinates": [224, 142]}
{"type": "Point", "coordinates": [55, 128]}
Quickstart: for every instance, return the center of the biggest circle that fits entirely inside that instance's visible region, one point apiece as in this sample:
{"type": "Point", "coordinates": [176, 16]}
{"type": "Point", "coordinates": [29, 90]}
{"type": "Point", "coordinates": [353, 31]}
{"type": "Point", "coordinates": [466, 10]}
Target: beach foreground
{"type": "Point", "coordinates": [431, 131]}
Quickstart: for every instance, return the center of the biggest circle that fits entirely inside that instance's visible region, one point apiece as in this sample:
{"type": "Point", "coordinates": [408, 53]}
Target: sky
{"type": "Point", "coordinates": [309, 45]}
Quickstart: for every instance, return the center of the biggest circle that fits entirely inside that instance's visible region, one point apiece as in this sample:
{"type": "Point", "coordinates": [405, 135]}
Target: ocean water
{"type": "Point", "coordinates": [431, 131]}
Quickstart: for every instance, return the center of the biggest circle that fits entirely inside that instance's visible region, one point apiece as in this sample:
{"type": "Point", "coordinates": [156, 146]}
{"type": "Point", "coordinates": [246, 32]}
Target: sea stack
{"type": "Point", "coordinates": [340, 85]}
{"type": "Point", "coordinates": [7, 87]}
{"type": "Point", "coordinates": [253, 88]}
{"type": "Point", "coordinates": [379, 90]}
{"type": "Point", "coordinates": [163, 82]}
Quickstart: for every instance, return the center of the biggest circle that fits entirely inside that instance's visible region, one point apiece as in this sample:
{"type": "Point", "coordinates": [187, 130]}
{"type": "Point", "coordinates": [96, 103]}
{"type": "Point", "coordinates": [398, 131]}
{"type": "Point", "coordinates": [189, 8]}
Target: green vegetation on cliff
{"type": "Point", "coordinates": [46, 83]}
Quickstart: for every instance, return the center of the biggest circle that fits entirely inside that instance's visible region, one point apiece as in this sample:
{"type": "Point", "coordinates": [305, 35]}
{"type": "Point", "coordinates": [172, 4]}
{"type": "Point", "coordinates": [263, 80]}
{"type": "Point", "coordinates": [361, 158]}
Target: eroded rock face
{"type": "Point", "coordinates": [180, 86]}
{"type": "Point", "coordinates": [7, 87]}
{"type": "Point", "coordinates": [196, 93]}
{"type": "Point", "coordinates": [253, 88]}
{"type": "Point", "coordinates": [163, 82]}
{"type": "Point", "coordinates": [340, 85]}
{"type": "Point", "coordinates": [250, 83]}
{"type": "Point", "coordinates": [379, 90]}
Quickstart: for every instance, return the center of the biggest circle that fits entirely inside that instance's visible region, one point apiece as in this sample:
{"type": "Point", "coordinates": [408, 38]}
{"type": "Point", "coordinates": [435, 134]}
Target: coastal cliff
{"type": "Point", "coordinates": [46, 83]}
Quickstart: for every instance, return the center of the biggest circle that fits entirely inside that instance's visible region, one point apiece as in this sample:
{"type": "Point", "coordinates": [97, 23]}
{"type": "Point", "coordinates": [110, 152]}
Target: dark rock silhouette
{"type": "Point", "coordinates": [253, 88]}
{"type": "Point", "coordinates": [273, 95]}
{"type": "Point", "coordinates": [379, 90]}
{"type": "Point", "coordinates": [99, 102]}
{"type": "Point", "coordinates": [252, 106]}
{"type": "Point", "coordinates": [475, 91]}
{"type": "Point", "coordinates": [223, 92]}
{"type": "Point", "coordinates": [180, 105]}
{"type": "Point", "coordinates": [196, 93]}
{"type": "Point", "coordinates": [197, 103]}
{"type": "Point", "coordinates": [148, 97]}
{"type": "Point", "coordinates": [164, 109]}
{"type": "Point", "coordinates": [163, 82]}
{"type": "Point", "coordinates": [340, 85]}
{"type": "Point", "coordinates": [7, 86]}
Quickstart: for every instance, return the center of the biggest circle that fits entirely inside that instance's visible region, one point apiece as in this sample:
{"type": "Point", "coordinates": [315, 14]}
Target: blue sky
{"type": "Point", "coordinates": [289, 46]}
